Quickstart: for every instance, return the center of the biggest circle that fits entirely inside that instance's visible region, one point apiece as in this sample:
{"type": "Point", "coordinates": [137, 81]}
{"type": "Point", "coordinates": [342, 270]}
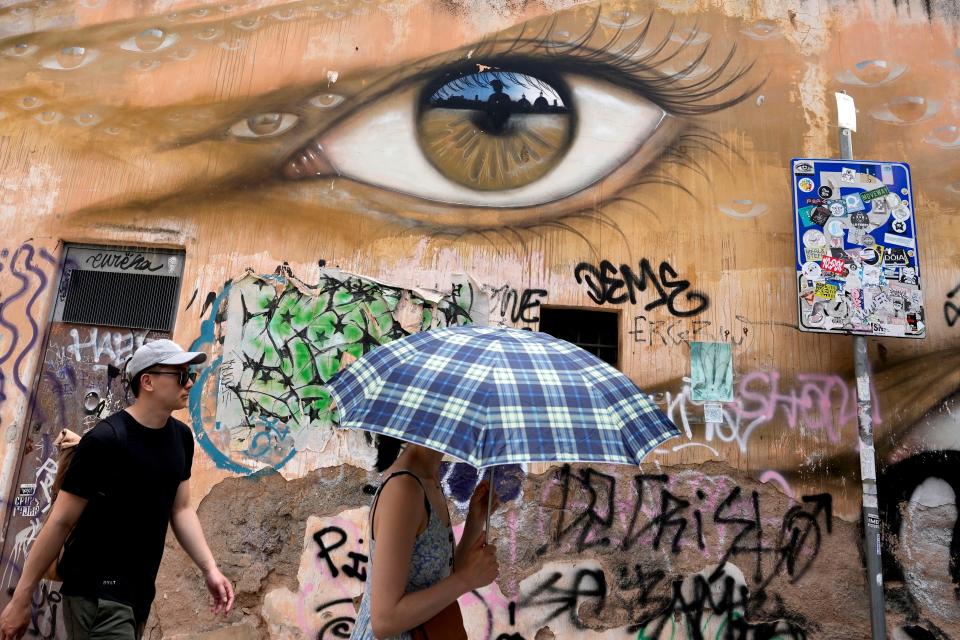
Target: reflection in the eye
{"type": "Point", "coordinates": [906, 110]}
{"type": "Point", "coordinates": [872, 73]}
{"type": "Point", "coordinates": [481, 131]}
{"type": "Point", "coordinates": [264, 125]}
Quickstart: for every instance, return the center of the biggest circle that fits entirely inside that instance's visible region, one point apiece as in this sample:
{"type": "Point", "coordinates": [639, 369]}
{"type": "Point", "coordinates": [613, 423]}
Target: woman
{"type": "Point", "coordinates": [415, 569]}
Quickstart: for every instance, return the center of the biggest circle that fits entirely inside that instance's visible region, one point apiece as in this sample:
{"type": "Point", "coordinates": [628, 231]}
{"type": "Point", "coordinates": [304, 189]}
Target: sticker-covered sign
{"type": "Point", "coordinates": [857, 261]}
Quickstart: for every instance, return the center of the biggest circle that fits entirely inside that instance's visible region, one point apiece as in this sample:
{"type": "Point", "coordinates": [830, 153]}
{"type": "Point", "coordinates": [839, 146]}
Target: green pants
{"type": "Point", "coordinates": [91, 619]}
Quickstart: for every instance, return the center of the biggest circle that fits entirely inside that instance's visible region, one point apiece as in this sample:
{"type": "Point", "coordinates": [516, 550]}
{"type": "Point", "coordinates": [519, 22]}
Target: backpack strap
{"type": "Point", "coordinates": [376, 499]}
{"type": "Point", "coordinates": [119, 429]}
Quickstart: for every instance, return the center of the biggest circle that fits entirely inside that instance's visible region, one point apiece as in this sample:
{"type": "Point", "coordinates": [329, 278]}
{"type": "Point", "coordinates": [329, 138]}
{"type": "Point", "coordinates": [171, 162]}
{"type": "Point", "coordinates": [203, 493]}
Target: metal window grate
{"type": "Point", "coordinates": [136, 288]}
{"type": "Point", "coordinates": [593, 331]}
{"type": "Point", "coordinates": [131, 300]}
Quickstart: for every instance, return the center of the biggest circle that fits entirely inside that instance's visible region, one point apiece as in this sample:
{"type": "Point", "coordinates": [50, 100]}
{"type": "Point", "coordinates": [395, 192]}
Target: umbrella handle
{"type": "Point", "coordinates": [486, 528]}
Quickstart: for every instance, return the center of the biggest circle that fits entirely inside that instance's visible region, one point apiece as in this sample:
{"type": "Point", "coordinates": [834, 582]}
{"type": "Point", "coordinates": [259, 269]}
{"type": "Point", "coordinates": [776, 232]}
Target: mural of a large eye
{"type": "Point", "coordinates": [486, 137]}
{"type": "Point", "coordinates": [482, 131]}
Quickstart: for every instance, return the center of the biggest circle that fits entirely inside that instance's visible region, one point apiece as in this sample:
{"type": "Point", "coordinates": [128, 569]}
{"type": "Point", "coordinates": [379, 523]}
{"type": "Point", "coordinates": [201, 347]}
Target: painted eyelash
{"type": "Point", "coordinates": [643, 75]}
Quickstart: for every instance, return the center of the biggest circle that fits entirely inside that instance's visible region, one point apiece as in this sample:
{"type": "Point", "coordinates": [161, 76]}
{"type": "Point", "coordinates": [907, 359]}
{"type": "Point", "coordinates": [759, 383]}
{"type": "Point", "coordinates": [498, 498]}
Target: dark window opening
{"type": "Point", "coordinates": [593, 331]}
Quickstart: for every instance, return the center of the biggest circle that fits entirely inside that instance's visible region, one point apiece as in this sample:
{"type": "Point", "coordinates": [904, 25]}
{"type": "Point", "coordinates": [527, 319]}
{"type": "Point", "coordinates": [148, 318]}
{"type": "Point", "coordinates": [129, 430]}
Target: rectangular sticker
{"type": "Point", "coordinates": [879, 192]}
{"type": "Point", "coordinates": [886, 173]}
{"type": "Point", "coordinates": [824, 290]}
{"type": "Point", "coordinates": [901, 241]}
{"type": "Point", "coordinates": [831, 264]}
{"type": "Point", "coordinates": [711, 371]}
{"type": "Point", "coordinates": [713, 413]}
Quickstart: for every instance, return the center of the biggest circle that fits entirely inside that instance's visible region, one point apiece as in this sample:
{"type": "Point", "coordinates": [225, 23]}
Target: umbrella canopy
{"type": "Point", "coordinates": [491, 396]}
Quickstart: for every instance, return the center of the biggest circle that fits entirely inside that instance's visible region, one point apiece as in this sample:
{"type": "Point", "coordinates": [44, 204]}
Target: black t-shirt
{"type": "Point", "coordinates": [114, 552]}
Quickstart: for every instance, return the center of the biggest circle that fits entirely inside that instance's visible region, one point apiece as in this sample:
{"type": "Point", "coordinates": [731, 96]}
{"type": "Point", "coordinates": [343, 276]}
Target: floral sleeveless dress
{"type": "Point", "coordinates": [431, 562]}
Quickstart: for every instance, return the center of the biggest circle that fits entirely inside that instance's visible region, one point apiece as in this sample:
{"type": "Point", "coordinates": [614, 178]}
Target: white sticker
{"type": "Point", "coordinates": [846, 111]}
{"type": "Point", "coordinates": [901, 241]}
{"type": "Point", "coordinates": [870, 501]}
{"type": "Point", "coordinates": [868, 465]}
{"type": "Point", "coordinates": [886, 173]}
{"type": "Point", "coordinates": [712, 412]}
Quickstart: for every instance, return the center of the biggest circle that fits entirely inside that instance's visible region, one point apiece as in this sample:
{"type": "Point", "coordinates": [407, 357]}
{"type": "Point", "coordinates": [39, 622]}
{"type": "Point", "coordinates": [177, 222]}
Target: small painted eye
{"type": "Point", "coordinates": [20, 50]}
{"type": "Point", "coordinates": [150, 40]}
{"type": "Point", "coordinates": [70, 58]}
{"type": "Point", "coordinates": [945, 137]}
{"type": "Point", "coordinates": [872, 73]}
{"type": "Point", "coordinates": [762, 30]}
{"type": "Point", "coordinates": [264, 125]}
{"type": "Point", "coordinates": [326, 101]}
{"type": "Point", "coordinates": [906, 110]}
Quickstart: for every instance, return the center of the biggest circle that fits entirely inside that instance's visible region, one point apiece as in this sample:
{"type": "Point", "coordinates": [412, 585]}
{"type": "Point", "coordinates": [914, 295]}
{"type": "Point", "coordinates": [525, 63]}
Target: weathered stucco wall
{"type": "Point", "coordinates": [325, 205]}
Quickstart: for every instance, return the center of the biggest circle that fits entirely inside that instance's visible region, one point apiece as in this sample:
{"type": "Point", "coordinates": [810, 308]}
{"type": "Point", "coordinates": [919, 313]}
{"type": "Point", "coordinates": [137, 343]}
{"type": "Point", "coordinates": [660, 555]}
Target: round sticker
{"type": "Point", "coordinates": [812, 270]}
{"type": "Point", "coordinates": [837, 208]}
{"type": "Point", "coordinates": [814, 238]}
{"type": "Point", "coordinates": [904, 191]}
{"type": "Point", "coordinates": [868, 240]}
{"type": "Point", "coordinates": [834, 228]}
{"type": "Point", "coordinates": [825, 191]}
{"type": "Point", "coordinates": [805, 184]}
{"type": "Point", "coordinates": [893, 201]}
{"type": "Point", "coordinates": [899, 226]}
{"type": "Point", "coordinates": [902, 212]}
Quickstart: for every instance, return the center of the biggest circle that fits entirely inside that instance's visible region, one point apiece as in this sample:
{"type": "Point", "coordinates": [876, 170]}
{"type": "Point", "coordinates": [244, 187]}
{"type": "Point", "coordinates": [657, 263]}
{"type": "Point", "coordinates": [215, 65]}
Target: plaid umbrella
{"type": "Point", "coordinates": [491, 396]}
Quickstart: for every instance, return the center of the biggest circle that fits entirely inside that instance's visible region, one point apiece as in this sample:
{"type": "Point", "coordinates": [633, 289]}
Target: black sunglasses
{"type": "Point", "coordinates": [182, 376]}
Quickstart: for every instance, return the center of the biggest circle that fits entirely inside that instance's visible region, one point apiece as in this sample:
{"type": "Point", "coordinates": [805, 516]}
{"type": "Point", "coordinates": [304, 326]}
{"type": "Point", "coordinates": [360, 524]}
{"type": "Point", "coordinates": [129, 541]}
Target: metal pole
{"type": "Point", "coordinates": [868, 467]}
{"type": "Point", "coordinates": [486, 527]}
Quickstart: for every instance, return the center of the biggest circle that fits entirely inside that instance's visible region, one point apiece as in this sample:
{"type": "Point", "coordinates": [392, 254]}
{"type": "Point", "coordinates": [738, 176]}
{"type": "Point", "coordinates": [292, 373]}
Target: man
{"type": "Point", "coordinates": [127, 480]}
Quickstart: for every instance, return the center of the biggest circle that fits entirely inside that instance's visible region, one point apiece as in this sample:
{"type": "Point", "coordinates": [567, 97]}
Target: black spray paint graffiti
{"type": "Point", "coordinates": [951, 312]}
{"type": "Point", "coordinates": [654, 333]}
{"type": "Point", "coordinates": [123, 260]}
{"type": "Point", "coordinates": [660, 518]}
{"type": "Point", "coordinates": [607, 285]}
{"type": "Point", "coordinates": [715, 604]}
{"type": "Point", "coordinates": [338, 626]}
{"type": "Point", "coordinates": [516, 306]}
{"type": "Point", "coordinates": [718, 605]}
{"type": "Point", "coordinates": [332, 538]}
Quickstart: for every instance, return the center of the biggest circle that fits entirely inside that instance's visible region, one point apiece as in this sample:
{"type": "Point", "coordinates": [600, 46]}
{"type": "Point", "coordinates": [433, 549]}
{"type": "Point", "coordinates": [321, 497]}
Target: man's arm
{"type": "Point", "coordinates": [189, 533]}
{"type": "Point", "coordinates": [64, 514]}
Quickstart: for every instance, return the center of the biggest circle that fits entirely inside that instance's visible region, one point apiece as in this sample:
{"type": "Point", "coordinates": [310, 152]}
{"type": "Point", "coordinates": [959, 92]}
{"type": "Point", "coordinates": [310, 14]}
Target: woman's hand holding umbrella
{"type": "Point", "coordinates": [473, 528]}
{"type": "Point", "coordinates": [479, 565]}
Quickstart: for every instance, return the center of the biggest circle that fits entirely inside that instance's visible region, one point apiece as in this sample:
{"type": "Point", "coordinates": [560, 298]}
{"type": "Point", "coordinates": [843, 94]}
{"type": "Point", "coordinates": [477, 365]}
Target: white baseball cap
{"type": "Point", "coordinates": [160, 352]}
